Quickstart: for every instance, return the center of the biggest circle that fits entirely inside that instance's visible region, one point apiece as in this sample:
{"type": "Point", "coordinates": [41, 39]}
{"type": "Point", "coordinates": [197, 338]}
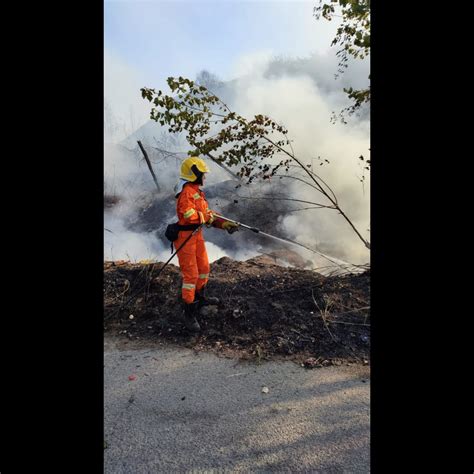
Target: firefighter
{"type": "Point", "coordinates": [192, 209]}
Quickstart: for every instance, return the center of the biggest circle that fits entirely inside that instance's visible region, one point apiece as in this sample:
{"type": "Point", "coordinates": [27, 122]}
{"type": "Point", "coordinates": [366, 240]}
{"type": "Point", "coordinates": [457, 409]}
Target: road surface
{"type": "Point", "coordinates": [196, 413]}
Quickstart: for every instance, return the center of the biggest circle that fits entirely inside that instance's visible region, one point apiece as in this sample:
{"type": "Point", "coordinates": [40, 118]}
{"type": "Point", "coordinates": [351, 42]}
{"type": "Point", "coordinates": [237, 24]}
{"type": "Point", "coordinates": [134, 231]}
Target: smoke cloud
{"type": "Point", "coordinates": [299, 97]}
{"type": "Point", "coordinates": [124, 110]}
{"type": "Point", "coordinates": [301, 94]}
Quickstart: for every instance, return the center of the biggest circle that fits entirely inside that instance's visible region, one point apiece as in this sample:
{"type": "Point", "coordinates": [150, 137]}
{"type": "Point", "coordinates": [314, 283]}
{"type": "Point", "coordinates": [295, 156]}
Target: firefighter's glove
{"type": "Point", "coordinates": [210, 218]}
{"type": "Point", "coordinates": [230, 227]}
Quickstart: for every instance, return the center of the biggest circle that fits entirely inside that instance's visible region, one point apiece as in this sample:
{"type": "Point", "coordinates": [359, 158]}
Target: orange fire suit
{"type": "Point", "coordinates": [192, 208]}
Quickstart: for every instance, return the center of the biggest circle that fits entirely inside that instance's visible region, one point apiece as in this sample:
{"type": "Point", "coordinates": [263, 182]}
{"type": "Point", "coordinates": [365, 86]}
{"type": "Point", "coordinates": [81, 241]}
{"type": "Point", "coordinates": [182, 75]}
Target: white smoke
{"type": "Point", "coordinates": [124, 110]}
{"type": "Point", "coordinates": [121, 243]}
{"type": "Point", "coordinates": [301, 95]}
{"type": "Point", "coordinates": [297, 102]}
{"type": "Point", "coordinates": [215, 252]}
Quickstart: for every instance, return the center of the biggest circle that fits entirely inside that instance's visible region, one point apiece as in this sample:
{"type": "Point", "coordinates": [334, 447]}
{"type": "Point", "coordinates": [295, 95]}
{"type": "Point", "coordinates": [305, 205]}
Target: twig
{"type": "Point", "coordinates": [127, 287]}
{"type": "Point", "coordinates": [347, 322]}
{"type": "Point", "coordinates": [303, 209]}
{"type": "Point", "coordinates": [353, 310]}
{"type": "Point", "coordinates": [311, 339]}
{"type": "Point", "coordinates": [322, 317]}
{"type": "Point", "coordinates": [287, 199]}
{"type": "Point", "coordinates": [299, 179]}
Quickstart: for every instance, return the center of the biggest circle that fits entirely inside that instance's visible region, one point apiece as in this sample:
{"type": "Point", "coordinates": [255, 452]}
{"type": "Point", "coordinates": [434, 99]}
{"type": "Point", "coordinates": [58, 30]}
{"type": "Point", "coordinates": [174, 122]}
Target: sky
{"type": "Point", "coordinates": [145, 42]}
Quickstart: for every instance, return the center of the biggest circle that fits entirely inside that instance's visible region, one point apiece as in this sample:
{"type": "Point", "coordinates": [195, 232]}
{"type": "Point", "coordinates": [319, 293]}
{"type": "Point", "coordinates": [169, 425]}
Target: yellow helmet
{"type": "Point", "coordinates": [187, 173]}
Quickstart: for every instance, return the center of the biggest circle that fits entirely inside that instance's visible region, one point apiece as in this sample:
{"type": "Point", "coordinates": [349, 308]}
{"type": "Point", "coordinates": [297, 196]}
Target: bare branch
{"type": "Point", "coordinates": [319, 206]}
{"type": "Point", "coordinates": [299, 179]}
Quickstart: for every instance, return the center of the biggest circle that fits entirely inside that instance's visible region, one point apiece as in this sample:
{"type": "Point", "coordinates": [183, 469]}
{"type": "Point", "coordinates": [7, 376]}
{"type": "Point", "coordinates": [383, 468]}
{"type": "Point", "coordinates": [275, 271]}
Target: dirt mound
{"type": "Point", "coordinates": [265, 310]}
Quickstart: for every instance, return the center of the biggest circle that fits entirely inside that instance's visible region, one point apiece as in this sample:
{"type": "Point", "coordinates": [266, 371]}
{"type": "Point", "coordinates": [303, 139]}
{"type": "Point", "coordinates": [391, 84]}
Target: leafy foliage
{"type": "Point", "coordinates": [212, 129]}
{"type": "Point", "coordinates": [353, 35]}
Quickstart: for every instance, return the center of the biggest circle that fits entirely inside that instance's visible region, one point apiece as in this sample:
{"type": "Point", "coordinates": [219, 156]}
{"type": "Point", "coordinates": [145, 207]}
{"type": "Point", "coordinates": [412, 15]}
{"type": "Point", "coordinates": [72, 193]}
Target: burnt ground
{"type": "Point", "coordinates": [266, 311]}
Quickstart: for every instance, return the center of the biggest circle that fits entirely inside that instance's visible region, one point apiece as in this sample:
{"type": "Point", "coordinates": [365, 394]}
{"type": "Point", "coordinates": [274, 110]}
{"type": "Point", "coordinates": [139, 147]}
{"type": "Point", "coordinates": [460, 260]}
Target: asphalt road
{"type": "Point", "coordinates": [196, 413]}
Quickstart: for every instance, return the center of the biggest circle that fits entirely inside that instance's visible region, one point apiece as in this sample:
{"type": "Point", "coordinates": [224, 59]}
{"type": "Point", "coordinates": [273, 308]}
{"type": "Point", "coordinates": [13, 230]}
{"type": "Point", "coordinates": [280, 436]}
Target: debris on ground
{"type": "Point", "coordinates": [266, 311]}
